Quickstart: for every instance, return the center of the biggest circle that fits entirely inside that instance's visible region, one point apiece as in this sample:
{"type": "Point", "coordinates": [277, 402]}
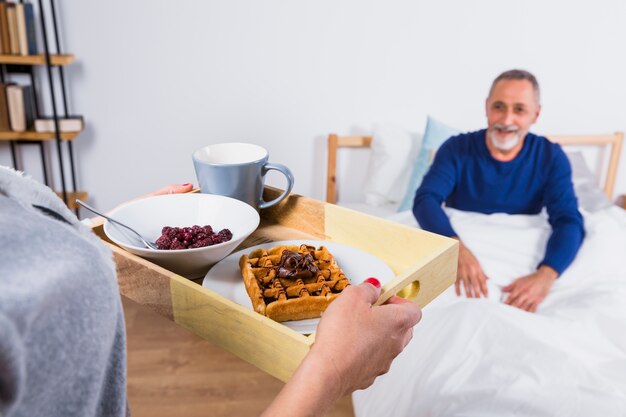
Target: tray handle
{"type": "Point", "coordinates": [407, 285]}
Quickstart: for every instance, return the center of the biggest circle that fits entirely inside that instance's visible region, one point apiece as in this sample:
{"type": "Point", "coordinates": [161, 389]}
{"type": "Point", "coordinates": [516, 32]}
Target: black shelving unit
{"type": "Point", "coordinates": [56, 78]}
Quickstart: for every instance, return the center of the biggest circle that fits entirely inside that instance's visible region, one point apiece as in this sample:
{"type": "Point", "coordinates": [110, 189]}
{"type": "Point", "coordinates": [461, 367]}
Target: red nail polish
{"type": "Point", "coordinates": [186, 184]}
{"type": "Point", "coordinates": [375, 282]}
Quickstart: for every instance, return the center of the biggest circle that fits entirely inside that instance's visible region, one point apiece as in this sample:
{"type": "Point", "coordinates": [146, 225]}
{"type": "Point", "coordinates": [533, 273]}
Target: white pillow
{"type": "Point", "coordinates": [393, 149]}
{"type": "Point", "coordinates": [590, 196]}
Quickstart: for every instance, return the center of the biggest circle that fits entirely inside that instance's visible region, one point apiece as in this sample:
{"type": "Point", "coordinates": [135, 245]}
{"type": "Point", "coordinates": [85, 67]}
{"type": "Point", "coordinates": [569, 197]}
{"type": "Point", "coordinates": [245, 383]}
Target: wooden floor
{"type": "Point", "coordinates": [172, 372]}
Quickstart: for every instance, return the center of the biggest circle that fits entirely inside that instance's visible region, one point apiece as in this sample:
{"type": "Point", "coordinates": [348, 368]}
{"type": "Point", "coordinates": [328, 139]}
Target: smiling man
{"type": "Point", "coordinates": [505, 169]}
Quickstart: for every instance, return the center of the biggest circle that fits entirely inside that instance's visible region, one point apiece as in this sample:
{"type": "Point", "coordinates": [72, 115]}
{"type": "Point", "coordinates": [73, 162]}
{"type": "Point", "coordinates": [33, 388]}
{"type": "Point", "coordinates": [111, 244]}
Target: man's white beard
{"type": "Point", "coordinates": [504, 144]}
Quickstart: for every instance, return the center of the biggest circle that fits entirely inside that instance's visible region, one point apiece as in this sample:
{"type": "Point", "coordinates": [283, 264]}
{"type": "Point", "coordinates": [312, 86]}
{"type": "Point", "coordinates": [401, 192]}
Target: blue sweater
{"type": "Point", "coordinates": [467, 177]}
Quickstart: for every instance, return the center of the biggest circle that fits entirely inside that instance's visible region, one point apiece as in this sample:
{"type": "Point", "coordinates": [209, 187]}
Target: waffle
{"type": "Point", "coordinates": [292, 283]}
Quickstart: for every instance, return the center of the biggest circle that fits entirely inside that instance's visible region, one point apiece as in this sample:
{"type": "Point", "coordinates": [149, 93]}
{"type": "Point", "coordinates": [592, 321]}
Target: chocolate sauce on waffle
{"type": "Point", "coordinates": [295, 265]}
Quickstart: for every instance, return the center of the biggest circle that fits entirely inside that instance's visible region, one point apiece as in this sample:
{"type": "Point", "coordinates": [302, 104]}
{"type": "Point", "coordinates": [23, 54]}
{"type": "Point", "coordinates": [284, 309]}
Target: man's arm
{"type": "Point", "coordinates": [567, 223]}
{"type": "Point", "coordinates": [565, 240]}
{"type": "Point", "coordinates": [438, 183]}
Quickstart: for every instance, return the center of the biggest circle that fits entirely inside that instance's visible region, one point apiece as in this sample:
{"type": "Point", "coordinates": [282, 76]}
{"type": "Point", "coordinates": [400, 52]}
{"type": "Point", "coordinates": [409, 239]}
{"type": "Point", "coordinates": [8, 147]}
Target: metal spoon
{"type": "Point", "coordinates": [150, 245]}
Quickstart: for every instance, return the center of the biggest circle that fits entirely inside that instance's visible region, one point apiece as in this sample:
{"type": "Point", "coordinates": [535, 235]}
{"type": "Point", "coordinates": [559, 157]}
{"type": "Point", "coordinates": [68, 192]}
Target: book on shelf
{"type": "Point", "coordinates": [13, 37]}
{"type": "Point", "coordinates": [66, 124]}
{"type": "Point", "coordinates": [21, 103]}
{"type": "Point", "coordinates": [5, 41]}
{"type": "Point", "coordinates": [15, 102]}
{"type": "Point", "coordinates": [5, 124]}
{"type": "Point", "coordinates": [17, 28]}
{"type": "Point", "coordinates": [31, 34]}
{"type": "Point", "coordinates": [20, 18]}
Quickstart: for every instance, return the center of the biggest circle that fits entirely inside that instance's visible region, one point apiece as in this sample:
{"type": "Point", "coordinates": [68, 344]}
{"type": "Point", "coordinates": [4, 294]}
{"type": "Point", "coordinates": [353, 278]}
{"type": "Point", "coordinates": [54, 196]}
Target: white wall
{"type": "Point", "coordinates": [158, 79]}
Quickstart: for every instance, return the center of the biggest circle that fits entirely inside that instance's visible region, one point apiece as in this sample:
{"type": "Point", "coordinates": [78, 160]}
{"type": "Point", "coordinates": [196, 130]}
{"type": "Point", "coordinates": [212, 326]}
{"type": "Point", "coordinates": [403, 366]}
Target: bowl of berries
{"type": "Point", "coordinates": [191, 231]}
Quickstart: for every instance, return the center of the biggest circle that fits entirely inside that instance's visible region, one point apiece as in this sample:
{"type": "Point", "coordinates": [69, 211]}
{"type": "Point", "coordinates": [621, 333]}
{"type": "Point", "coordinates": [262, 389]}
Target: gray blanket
{"type": "Point", "coordinates": [62, 341]}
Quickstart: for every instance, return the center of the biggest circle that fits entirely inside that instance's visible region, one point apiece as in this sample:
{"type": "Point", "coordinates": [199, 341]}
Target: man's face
{"type": "Point", "coordinates": [512, 108]}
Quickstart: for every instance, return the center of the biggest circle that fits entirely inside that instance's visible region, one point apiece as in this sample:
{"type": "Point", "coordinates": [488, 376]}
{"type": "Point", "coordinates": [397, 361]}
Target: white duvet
{"type": "Point", "coordinates": [484, 358]}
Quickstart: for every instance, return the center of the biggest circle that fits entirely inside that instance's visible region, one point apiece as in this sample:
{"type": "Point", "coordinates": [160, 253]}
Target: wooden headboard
{"type": "Point", "coordinates": [614, 141]}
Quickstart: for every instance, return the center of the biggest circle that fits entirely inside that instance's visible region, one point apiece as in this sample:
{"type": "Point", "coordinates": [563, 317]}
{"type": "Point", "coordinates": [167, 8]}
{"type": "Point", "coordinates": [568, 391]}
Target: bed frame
{"type": "Point", "coordinates": [614, 141]}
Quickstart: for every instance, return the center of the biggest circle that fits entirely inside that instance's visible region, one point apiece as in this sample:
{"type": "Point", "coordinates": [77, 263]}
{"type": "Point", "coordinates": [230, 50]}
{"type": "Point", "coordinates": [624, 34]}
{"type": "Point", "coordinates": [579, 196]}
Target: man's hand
{"type": "Point", "coordinates": [529, 291]}
{"type": "Point", "coordinates": [471, 274]}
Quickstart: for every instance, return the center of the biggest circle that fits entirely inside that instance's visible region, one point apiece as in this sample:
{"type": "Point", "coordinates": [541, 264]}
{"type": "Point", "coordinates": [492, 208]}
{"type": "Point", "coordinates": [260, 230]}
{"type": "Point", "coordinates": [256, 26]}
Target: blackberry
{"type": "Point", "coordinates": [225, 235]}
{"type": "Point", "coordinates": [173, 238]}
{"type": "Point", "coordinates": [177, 245]}
{"type": "Point", "coordinates": [164, 242]}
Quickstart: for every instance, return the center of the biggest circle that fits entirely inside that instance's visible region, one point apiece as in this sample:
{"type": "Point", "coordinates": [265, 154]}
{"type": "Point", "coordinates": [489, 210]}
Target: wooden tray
{"type": "Point", "coordinates": [425, 260]}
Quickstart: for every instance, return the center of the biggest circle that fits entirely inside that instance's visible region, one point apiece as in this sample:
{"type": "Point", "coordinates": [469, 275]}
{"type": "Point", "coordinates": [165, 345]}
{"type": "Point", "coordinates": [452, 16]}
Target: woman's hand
{"type": "Point", "coordinates": [354, 343]}
{"type": "Point", "coordinates": [171, 189]}
{"type": "Point", "coordinates": [359, 341]}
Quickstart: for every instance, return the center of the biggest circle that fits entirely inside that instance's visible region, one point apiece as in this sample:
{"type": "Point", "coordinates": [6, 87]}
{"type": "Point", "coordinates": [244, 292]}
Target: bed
{"type": "Point", "coordinates": [480, 357]}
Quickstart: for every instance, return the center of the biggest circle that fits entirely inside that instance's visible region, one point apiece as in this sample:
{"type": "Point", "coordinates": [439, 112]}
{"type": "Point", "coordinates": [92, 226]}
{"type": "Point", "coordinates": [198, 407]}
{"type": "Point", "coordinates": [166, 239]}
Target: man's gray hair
{"type": "Point", "coordinates": [517, 74]}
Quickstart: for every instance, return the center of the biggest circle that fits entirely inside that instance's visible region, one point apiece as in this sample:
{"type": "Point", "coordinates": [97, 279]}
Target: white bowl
{"type": "Point", "coordinates": [149, 215]}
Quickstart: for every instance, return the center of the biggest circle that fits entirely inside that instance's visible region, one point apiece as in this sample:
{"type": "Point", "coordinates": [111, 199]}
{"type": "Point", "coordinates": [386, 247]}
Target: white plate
{"type": "Point", "coordinates": [225, 277]}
